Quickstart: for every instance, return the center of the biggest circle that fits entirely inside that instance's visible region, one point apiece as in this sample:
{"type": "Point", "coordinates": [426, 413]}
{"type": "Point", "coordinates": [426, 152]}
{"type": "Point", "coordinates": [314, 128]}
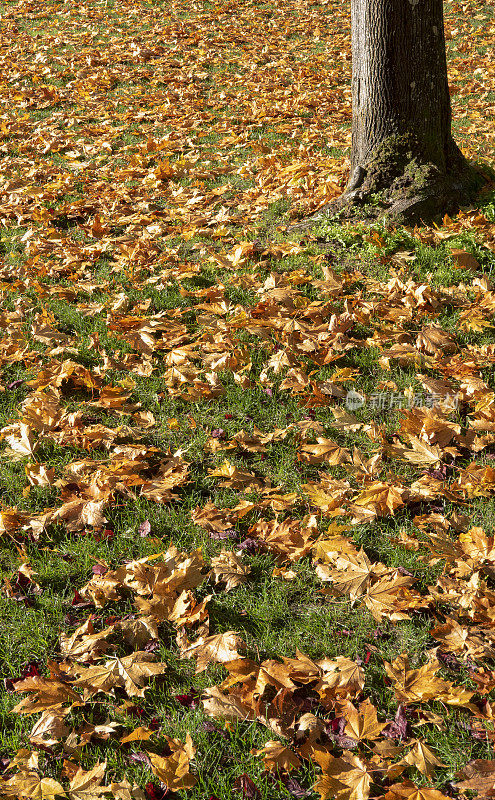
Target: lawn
{"type": "Point", "coordinates": [247, 491]}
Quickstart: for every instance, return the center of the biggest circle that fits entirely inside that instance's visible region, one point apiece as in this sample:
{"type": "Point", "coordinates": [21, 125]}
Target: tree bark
{"type": "Point", "coordinates": [399, 79]}
{"type": "Point", "coordinates": [402, 145]}
{"type": "Point", "coordinates": [404, 162]}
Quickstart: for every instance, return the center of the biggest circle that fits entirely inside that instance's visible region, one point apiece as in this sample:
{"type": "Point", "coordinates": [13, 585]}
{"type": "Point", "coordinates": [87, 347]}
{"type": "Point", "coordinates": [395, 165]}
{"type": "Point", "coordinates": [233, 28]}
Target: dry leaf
{"type": "Point", "coordinates": [227, 568]}
{"type": "Point", "coordinates": [174, 769]}
{"type": "Point", "coordinates": [87, 785]}
{"type": "Point", "coordinates": [407, 790]}
{"type": "Point", "coordinates": [128, 673]}
{"type": "Point", "coordinates": [29, 783]}
{"type": "Point", "coordinates": [362, 723]}
{"type": "Point", "coordinates": [220, 648]}
{"type": "Point", "coordinates": [277, 756]}
{"type": "Point", "coordinates": [344, 778]}
{"type": "Point", "coordinates": [478, 776]}
{"type": "Point", "coordinates": [421, 757]}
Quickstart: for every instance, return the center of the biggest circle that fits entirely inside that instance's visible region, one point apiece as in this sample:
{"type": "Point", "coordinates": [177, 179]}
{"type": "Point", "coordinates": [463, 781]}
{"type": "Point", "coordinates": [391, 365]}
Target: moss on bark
{"type": "Point", "coordinates": [399, 186]}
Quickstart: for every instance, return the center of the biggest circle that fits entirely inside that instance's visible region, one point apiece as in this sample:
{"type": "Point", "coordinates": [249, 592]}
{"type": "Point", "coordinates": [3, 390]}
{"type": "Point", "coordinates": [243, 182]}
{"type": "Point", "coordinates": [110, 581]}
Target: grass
{"type": "Point", "coordinates": [70, 293]}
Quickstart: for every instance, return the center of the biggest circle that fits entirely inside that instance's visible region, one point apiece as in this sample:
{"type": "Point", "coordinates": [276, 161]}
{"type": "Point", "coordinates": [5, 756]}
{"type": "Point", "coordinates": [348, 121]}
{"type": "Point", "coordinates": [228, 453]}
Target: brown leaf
{"type": "Point", "coordinates": [421, 757]}
{"type": "Point", "coordinates": [28, 783]}
{"type": "Point", "coordinates": [345, 778]}
{"type": "Point", "coordinates": [84, 644]}
{"type": "Point", "coordinates": [341, 678]}
{"type": "Point", "coordinates": [289, 540]}
{"type": "Point", "coordinates": [277, 756]}
{"type": "Point", "coordinates": [407, 790]}
{"type": "Point", "coordinates": [20, 439]}
{"type": "Point", "coordinates": [325, 451]}
{"type": "Point", "coordinates": [50, 728]}
{"type": "Point", "coordinates": [419, 453]}
{"type": "Point", "coordinates": [381, 498]}
{"type": "Point", "coordinates": [478, 776]}
{"type": "Point", "coordinates": [39, 475]}
{"type": "Point", "coordinates": [174, 769]}
{"type": "Point", "coordinates": [353, 573]}
{"type": "Point", "coordinates": [463, 259]}
{"type": "Point", "coordinates": [423, 684]}
{"type": "Point", "coordinates": [435, 341]}
{"type": "Point", "coordinates": [138, 735]}
{"type": "Point", "coordinates": [128, 673]}
{"type": "Point", "coordinates": [362, 723]}
{"type": "Point", "coordinates": [227, 568]}
{"type": "Point", "coordinates": [124, 790]}
{"type": "Point", "coordinates": [230, 706]}
{"type": "Point", "coordinates": [87, 785]}
{"type": "Point", "coordinates": [220, 648]}
{"type": "Point", "coordinates": [48, 692]}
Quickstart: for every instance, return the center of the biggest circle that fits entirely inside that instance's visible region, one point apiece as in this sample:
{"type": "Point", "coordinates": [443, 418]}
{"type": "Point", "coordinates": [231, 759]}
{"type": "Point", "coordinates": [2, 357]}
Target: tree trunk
{"type": "Point", "coordinates": [399, 80]}
{"type": "Point", "coordinates": [405, 165]}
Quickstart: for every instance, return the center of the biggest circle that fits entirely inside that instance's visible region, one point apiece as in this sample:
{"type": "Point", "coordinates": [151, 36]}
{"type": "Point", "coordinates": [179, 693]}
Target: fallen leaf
{"type": "Point", "coordinates": [173, 770]}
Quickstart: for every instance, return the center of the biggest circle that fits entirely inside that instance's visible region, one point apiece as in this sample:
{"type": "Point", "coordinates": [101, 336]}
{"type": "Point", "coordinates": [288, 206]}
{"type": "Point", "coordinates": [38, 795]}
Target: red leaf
{"type": "Point", "coordinates": [247, 787]}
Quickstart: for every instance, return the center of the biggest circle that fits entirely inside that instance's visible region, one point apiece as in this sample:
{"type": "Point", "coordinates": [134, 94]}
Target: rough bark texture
{"type": "Point", "coordinates": [399, 78]}
{"type": "Point", "coordinates": [404, 159]}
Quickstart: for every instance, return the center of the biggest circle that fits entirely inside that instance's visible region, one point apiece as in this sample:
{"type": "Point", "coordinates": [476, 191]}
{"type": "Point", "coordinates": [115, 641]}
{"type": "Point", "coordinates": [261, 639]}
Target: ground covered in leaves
{"type": "Point", "coordinates": [247, 480]}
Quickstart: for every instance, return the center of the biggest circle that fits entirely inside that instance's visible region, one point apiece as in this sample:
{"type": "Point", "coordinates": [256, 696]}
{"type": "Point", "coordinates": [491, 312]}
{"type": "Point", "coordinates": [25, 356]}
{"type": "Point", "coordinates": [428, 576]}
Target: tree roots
{"type": "Point", "coordinates": [397, 188]}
